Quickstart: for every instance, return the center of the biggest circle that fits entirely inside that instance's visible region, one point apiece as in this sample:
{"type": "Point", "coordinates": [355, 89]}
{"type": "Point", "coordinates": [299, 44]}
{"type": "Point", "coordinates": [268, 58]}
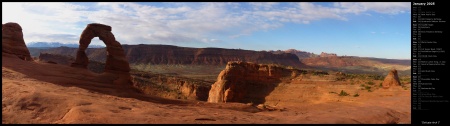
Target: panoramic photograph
{"type": "Point", "coordinates": [206, 63]}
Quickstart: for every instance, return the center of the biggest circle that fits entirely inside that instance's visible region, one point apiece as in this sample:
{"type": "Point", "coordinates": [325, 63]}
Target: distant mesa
{"type": "Point", "coordinates": [324, 54]}
{"type": "Point", "coordinates": [12, 41]}
{"type": "Point", "coordinates": [298, 53]}
{"type": "Point", "coordinates": [391, 79]}
{"type": "Point", "coordinates": [238, 81]}
{"type": "Point", "coordinates": [115, 60]}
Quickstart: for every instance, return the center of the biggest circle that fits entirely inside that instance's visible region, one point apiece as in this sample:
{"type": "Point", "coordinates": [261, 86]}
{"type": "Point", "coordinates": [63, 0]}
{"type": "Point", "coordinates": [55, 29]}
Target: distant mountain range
{"type": "Point", "coordinates": [57, 44]}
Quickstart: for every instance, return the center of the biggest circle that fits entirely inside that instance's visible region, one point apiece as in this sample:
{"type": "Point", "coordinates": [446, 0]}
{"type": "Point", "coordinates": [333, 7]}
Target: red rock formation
{"type": "Point", "coordinates": [323, 54]}
{"type": "Point", "coordinates": [298, 53]}
{"type": "Point", "coordinates": [167, 54]}
{"type": "Point", "coordinates": [333, 61]}
{"type": "Point", "coordinates": [12, 41]}
{"type": "Point", "coordinates": [171, 86]}
{"type": "Point", "coordinates": [391, 80]}
{"type": "Point", "coordinates": [116, 62]}
{"type": "Point", "coordinates": [248, 82]}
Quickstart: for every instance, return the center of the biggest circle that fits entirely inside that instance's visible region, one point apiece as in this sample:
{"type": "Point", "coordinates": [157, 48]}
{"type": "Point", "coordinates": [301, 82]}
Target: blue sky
{"type": "Point", "coordinates": [355, 29]}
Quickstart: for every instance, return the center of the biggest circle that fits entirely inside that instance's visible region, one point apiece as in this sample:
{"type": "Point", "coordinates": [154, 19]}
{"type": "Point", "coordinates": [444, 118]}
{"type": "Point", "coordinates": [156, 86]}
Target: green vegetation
{"type": "Point", "coordinates": [367, 87]}
{"type": "Point", "coordinates": [317, 73]}
{"type": "Point", "coordinates": [362, 85]}
{"type": "Point", "coordinates": [202, 72]}
{"type": "Point", "coordinates": [356, 95]}
{"type": "Point", "coordinates": [343, 93]}
{"type": "Point", "coordinates": [361, 76]}
{"type": "Point", "coordinates": [370, 83]}
{"type": "Point", "coordinates": [404, 87]}
{"type": "Point", "coordinates": [405, 79]}
{"type": "Point", "coordinates": [280, 65]}
{"type": "Point", "coordinates": [340, 78]}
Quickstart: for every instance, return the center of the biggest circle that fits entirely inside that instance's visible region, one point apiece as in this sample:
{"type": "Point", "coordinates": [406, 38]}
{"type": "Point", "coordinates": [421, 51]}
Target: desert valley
{"type": "Point", "coordinates": [154, 84]}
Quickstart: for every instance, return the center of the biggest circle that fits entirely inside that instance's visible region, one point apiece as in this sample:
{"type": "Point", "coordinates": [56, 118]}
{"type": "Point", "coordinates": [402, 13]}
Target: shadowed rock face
{"type": "Point", "coordinates": [391, 79]}
{"type": "Point", "coordinates": [12, 41]}
{"type": "Point", "coordinates": [248, 82]}
{"type": "Point", "coordinates": [115, 57]}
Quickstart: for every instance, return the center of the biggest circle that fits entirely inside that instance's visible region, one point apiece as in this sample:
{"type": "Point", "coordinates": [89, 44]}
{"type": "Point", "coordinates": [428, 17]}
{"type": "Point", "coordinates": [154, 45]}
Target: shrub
{"type": "Point", "coordinates": [367, 87]}
{"type": "Point", "coordinates": [405, 88]}
{"type": "Point", "coordinates": [340, 79]}
{"type": "Point", "coordinates": [356, 95]}
{"type": "Point", "coordinates": [343, 93]}
{"type": "Point", "coordinates": [370, 83]}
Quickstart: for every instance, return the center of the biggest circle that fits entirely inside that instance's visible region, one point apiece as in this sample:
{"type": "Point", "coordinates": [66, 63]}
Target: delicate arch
{"type": "Point", "coordinates": [115, 60]}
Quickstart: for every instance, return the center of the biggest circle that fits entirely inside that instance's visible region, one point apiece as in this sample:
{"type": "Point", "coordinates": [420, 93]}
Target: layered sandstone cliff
{"type": "Point", "coordinates": [167, 54]}
{"type": "Point", "coordinates": [298, 53]}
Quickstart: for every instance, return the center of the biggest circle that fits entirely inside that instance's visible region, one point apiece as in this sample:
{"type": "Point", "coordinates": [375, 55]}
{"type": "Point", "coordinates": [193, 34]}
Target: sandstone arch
{"type": "Point", "coordinates": [115, 61]}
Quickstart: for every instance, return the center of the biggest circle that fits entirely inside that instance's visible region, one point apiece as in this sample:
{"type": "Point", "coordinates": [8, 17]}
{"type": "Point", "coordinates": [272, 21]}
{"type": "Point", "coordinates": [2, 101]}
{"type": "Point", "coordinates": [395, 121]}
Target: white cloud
{"type": "Point", "coordinates": [210, 40]}
{"type": "Point", "coordinates": [380, 7]}
{"type": "Point", "coordinates": [265, 5]}
{"type": "Point", "coordinates": [134, 23]}
{"type": "Point", "coordinates": [45, 21]}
